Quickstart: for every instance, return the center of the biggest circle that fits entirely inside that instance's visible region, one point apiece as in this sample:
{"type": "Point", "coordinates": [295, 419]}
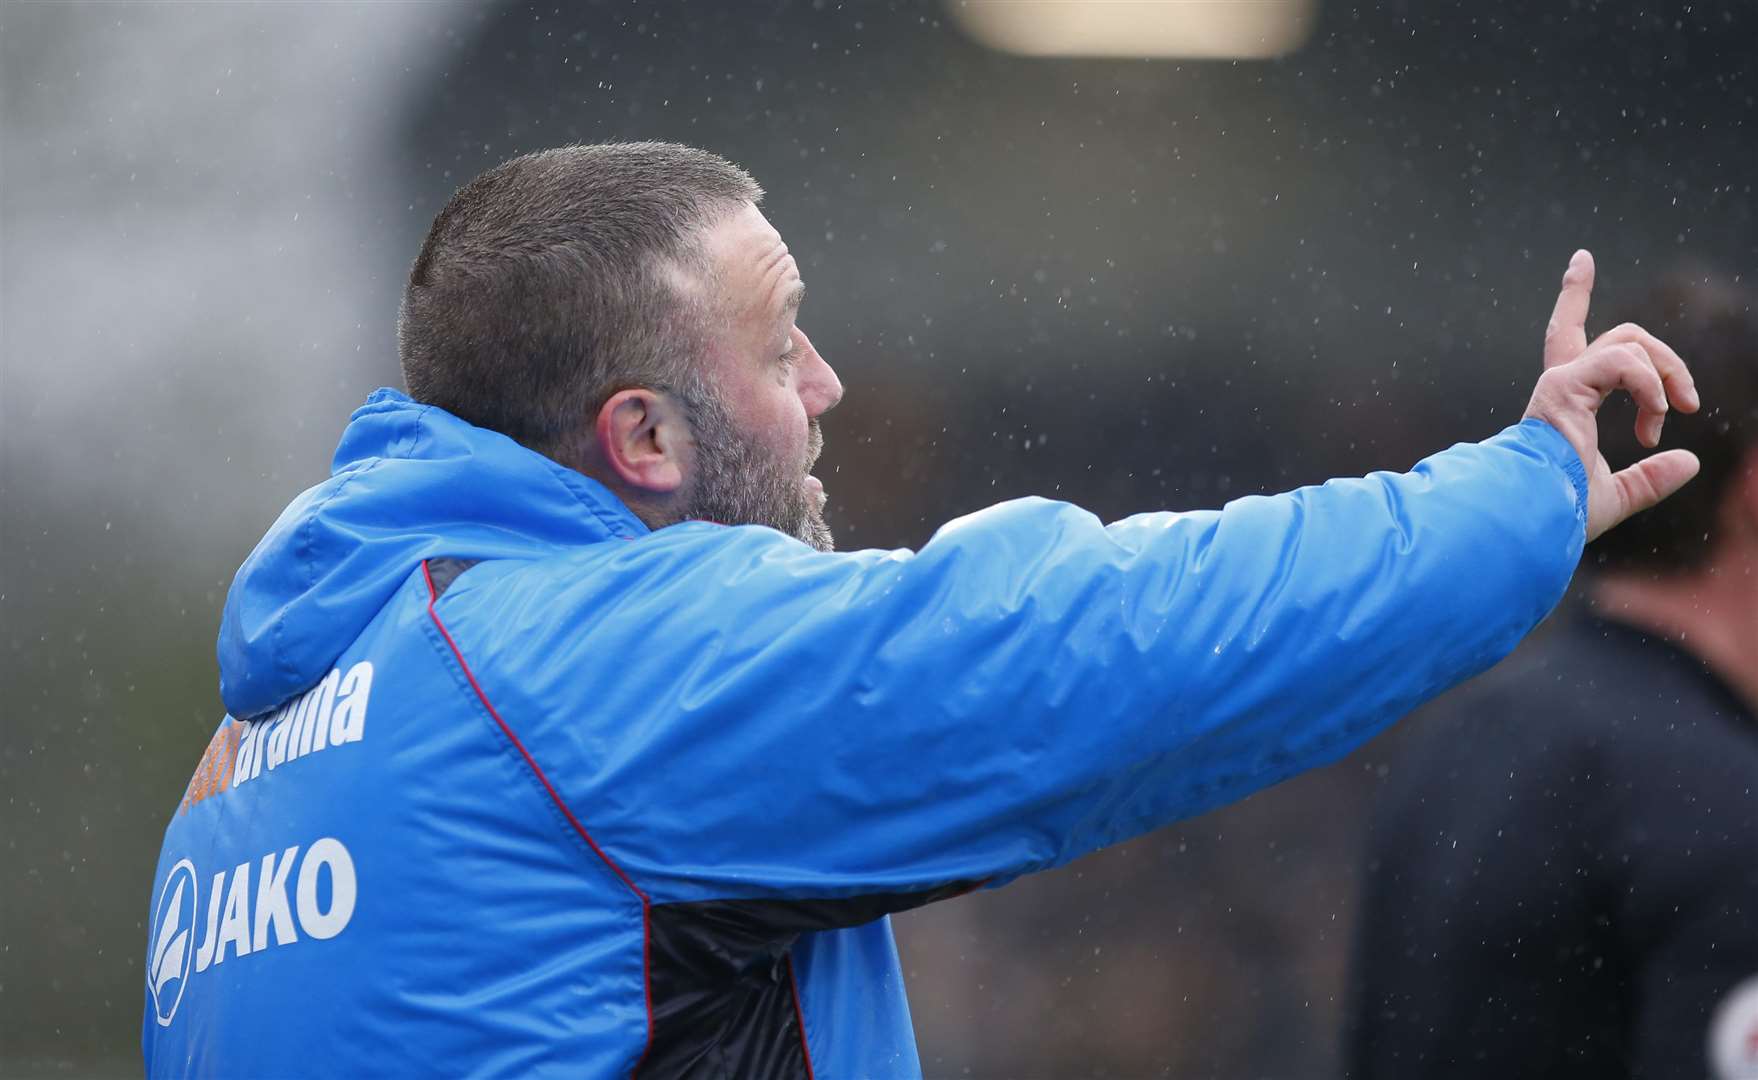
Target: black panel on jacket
{"type": "Point", "coordinates": [442, 572]}
{"type": "Point", "coordinates": [723, 983]}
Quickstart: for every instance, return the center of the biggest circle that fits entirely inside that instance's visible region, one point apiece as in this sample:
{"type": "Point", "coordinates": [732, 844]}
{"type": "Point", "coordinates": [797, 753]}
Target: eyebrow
{"type": "Point", "coordinates": [795, 297]}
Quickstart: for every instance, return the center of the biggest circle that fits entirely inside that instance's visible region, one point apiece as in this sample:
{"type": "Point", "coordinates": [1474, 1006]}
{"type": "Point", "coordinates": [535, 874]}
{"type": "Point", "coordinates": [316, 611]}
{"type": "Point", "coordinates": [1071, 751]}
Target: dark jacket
{"type": "Point", "coordinates": [1563, 875]}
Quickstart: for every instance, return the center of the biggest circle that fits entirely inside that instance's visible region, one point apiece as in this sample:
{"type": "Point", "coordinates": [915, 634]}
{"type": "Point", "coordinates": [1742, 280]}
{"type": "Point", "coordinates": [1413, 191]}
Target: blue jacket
{"type": "Point", "coordinates": [512, 786]}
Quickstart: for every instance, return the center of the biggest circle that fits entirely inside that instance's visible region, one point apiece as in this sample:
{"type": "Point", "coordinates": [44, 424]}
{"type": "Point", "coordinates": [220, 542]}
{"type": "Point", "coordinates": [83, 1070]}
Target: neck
{"type": "Point", "coordinates": [654, 513]}
{"type": "Point", "coordinates": [1711, 613]}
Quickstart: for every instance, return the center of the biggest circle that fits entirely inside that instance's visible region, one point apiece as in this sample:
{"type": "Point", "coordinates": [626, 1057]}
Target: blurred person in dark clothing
{"type": "Point", "coordinates": [1563, 871]}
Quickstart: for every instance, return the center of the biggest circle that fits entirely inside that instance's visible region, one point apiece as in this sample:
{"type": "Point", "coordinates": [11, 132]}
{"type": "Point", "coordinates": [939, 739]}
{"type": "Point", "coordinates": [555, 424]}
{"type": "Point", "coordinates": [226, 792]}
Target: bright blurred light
{"type": "Point", "coordinates": [1229, 29]}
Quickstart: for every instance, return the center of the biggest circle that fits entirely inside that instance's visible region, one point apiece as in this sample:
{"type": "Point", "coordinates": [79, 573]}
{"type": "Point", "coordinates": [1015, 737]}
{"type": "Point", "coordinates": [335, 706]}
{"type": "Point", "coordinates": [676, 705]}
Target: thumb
{"type": "Point", "coordinates": [1647, 482]}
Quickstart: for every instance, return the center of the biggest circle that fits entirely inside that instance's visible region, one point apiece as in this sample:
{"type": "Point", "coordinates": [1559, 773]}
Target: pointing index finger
{"type": "Point", "coordinates": [1566, 335]}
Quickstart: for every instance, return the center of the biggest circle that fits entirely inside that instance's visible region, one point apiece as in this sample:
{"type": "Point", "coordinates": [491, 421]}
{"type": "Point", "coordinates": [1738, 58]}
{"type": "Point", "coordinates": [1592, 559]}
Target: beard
{"type": "Point", "coordinates": [738, 482]}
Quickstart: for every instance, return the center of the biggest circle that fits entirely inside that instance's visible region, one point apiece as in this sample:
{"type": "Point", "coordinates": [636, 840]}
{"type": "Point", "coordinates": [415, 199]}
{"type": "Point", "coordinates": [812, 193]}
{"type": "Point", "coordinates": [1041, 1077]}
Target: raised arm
{"type": "Point", "coordinates": [1032, 684]}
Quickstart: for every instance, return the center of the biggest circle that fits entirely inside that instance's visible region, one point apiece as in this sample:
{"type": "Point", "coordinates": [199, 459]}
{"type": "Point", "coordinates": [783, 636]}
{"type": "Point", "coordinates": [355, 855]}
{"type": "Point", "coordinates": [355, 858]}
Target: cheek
{"type": "Point", "coordinates": [784, 420]}
{"type": "Point", "coordinates": [790, 428]}
{"type": "Point", "coordinates": [776, 417]}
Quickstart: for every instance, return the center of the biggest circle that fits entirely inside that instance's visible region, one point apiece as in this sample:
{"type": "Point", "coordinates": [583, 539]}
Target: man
{"type": "Point", "coordinates": [564, 743]}
{"type": "Point", "coordinates": [1564, 866]}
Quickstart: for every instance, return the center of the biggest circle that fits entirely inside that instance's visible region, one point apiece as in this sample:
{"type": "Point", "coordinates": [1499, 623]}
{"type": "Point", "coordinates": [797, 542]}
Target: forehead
{"type": "Point", "coordinates": [755, 270]}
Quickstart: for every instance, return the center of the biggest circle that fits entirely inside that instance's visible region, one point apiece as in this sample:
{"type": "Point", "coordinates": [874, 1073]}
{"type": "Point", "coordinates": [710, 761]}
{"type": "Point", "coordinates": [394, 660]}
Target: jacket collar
{"type": "Point", "coordinates": [409, 482]}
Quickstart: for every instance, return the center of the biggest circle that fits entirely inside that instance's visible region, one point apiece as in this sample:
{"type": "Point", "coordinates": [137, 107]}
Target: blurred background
{"type": "Point", "coordinates": [1301, 239]}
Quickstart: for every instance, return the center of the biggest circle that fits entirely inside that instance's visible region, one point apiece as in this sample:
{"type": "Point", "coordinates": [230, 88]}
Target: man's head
{"type": "Point", "coordinates": [626, 310]}
{"type": "Point", "coordinates": [1714, 325]}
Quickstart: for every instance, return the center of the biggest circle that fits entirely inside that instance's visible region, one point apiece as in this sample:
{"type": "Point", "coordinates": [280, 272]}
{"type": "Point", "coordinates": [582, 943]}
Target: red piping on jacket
{"type": "Point", "coordinates": [799, 1014]}
{"type": "Point", "coordinates": [646, 905]}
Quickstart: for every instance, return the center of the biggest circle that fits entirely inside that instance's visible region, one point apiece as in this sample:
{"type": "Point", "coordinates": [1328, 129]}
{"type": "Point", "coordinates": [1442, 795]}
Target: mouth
{"type": "Point", "coordinates": [815, 486]}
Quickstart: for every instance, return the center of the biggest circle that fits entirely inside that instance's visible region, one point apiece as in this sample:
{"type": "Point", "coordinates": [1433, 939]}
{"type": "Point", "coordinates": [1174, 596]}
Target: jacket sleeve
{"type": "Point", "coordinates": [741, 716]}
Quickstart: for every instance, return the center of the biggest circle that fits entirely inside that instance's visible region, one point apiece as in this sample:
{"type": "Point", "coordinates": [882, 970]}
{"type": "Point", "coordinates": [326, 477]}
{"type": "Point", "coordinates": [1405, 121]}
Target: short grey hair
{"type": "Point", "coordinates": [550, 282]}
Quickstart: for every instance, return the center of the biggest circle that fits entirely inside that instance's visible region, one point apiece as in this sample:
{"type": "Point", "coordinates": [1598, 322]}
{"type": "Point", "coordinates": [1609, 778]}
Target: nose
{"type": "Point", "coordinates": [819, 387]}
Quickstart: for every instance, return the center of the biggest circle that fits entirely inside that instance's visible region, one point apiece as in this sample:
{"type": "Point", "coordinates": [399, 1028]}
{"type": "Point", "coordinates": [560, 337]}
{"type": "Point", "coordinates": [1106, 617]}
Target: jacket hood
{"type": "Point", "coordinates": [409, 482]}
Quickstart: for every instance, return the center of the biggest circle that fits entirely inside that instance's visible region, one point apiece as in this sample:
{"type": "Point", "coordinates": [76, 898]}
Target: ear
{"type": "Point", "coordinates": [643, 436]}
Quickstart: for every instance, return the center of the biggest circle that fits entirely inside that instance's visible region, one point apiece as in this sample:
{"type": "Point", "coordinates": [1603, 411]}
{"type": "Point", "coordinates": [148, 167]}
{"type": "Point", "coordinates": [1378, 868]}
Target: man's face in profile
{"type": "Point", "coordinates": [763, 387]}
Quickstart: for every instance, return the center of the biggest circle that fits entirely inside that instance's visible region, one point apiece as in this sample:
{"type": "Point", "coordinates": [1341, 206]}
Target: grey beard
{"type": "Point", "coordinates": [737, 484]}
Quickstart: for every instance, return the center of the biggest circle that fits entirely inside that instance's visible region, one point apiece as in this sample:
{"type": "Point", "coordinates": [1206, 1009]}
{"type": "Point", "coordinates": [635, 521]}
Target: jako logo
{"type": "Point", "coordinates": [236, 924]}
{"type": "Point", "coordinates": [173, 940]}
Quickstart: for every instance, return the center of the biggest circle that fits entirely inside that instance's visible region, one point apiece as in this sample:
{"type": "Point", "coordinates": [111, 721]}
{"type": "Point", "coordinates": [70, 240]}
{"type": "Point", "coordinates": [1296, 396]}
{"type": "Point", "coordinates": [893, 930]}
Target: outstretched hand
{"type": "Point", "coordinates": [1577, 379]}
